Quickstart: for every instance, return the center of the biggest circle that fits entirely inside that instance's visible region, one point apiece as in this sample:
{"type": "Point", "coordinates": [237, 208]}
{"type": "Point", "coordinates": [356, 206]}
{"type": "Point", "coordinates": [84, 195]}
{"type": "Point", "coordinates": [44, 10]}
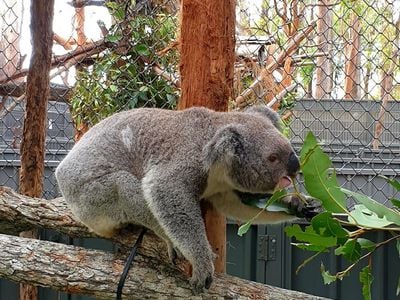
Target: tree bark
{"type": "Point", "coordinates": [207, 44]}
{"type": "Point", "coordinates": [353, 59]}
{"type": "Point", "coordinates": [77, 270]}
{"type": "Point", "coordinates": [324, 69]}
{"type": "Point", "coordinates": [290, 48]}
{"type": "Point", "coordinates": [387, 87]}
{"type": "Point", "coordinates": [37, 92]}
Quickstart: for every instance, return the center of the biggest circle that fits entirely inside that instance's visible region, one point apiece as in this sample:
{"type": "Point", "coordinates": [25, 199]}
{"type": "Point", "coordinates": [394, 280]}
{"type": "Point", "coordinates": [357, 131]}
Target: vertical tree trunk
{"type": "Point", "coordinates": [353, 60]}
{"type": "Point", "coordinates": [324, 69]}
{"type": "Point", "coordinates": [386, 96]}
{"type": "Point", "coordinates": [207, 36]}
{"type": "Point", "coordinates": [387, 87]}
{"type": "Point", "coordinates": [37, 91]}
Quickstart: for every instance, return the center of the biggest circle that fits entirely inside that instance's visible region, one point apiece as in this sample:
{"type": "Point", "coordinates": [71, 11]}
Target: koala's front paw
{"type": "Point", "coordinates": [202, 277]}
{"type": "Point", "coordinates": [307, 207]}
{"type": "Point", "coordinates": [174, 254]}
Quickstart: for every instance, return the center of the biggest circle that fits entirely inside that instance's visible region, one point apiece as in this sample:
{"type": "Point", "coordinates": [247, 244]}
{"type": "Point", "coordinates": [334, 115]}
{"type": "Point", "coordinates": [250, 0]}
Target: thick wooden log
{"type": "Point", "coordinates": [83, 271]}
{"type": "Point", "coordinates": [19, 213]}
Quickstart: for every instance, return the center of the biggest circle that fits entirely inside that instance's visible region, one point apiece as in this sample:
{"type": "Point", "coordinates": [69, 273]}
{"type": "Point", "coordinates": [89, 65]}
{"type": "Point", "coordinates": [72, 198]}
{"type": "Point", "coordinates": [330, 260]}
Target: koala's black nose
{"type": "Point", "coordinates": [293, 164]}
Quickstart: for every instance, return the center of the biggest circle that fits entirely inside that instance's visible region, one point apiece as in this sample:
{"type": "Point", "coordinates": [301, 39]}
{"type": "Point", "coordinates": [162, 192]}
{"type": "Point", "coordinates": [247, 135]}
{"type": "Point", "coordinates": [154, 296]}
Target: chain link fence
{"type": "Point", "coordinates": [330, 67]}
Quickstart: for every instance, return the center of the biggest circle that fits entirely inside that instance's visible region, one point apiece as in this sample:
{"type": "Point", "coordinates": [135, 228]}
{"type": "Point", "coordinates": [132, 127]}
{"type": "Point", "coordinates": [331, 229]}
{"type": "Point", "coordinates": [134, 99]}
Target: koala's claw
{"type": "Point", "coordinates": [174, 254]}
{"type": "Point", "coordinates": [307, 210]}
{"type": "Point", "coordinates": [208, 282]}
{"type": "Point", "coordinates": [198, 286]}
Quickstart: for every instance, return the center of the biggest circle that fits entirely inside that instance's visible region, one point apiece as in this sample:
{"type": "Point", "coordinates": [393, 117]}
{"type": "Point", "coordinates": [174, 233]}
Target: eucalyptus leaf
{"type": "Point", "coordinates": [398, 287]}
{"type": "Point", "coordinates": [310, 247]}
{"type": "Point", "coordinates": [394, 183]}
{"type": "Point", "coordinates": [366, 279]}
{"type": "Point", "coordinates": [325, 225]}
{"type": "Point", "coordinates": [395, 202]}
{"type": "Point", "coordinates": [142, 49]}
{"type": "Point", "coordinates": [244, 228]}
{"type": "Point", "coordinates": [362, 216]}
{"type": "Point", "coordinates": [319, 177]}
{"type": "Point", "coordinates": [278, 207]}
{"type": "Point", "coordinates": [327, 277]}
{"type": "Point", "coordinates": [381, 210]}
{"type": "Point", "coordinates": [366, 244]}
{"type": "Point", "coordinates": [351, 250]}
{"type": "Point", "coordinates": [113, 38]}
{"type": "Point", "coordinates": [310, 236]}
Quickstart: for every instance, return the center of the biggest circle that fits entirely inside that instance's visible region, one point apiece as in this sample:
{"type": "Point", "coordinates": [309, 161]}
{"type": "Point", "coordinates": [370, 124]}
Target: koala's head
{"type": "Point", "coordinates": [253, 153]}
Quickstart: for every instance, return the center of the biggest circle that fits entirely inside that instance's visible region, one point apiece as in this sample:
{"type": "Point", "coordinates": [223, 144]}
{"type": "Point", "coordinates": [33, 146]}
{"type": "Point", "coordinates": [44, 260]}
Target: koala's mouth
{"type": "Point", "coordinates": [284, 182]}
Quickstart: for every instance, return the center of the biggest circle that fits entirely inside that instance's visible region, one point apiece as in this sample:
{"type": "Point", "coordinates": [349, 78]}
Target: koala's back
{"type": "Point", "coordinates": [101, 177]}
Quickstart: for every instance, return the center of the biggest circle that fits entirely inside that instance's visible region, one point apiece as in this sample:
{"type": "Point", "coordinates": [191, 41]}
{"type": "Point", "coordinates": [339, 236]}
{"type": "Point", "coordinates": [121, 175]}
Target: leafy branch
{"type": "Point", "coordinates": [341, 228]}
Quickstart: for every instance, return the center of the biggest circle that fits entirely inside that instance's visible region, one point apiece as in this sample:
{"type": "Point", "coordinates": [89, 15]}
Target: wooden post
{"type": "Point", "coordinates": [37, 93]}
{"type": "Point", "coordinates": [207, 39]}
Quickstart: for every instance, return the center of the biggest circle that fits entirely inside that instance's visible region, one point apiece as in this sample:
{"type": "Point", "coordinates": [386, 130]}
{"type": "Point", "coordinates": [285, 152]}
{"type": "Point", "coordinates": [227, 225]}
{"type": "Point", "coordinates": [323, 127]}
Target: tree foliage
{"type": "Point", "coordinates": [339, 228]}
{"type": "Point", "coordinates": [122, 77]}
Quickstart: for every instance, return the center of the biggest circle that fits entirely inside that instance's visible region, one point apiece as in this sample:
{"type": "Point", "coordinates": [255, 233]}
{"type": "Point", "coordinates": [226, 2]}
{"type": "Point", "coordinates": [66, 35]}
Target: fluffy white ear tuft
{"type": "Point", "coordinates": [266, 112]}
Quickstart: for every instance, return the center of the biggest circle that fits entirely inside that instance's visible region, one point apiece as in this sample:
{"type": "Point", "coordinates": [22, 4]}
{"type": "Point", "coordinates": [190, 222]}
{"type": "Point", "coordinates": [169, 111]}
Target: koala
{"type": "Point", "coordinates": [152, 167]}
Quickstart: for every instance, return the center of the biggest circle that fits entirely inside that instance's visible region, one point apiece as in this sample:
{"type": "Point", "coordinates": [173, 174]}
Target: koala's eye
{"type": "Point", "coordinates": [272, 158]}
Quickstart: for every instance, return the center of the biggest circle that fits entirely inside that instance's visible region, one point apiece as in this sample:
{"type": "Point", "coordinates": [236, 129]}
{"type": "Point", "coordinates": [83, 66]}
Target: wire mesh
{"type": "Point", "coordinates": [331, 67]}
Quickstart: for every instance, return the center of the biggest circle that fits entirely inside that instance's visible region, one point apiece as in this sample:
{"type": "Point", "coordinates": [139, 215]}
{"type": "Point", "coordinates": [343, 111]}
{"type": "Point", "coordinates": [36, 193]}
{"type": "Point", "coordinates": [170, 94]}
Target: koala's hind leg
{"type": "Point", "coordinates": [108, 203]}
{"type": "Point", "coordinates": [178, 212]}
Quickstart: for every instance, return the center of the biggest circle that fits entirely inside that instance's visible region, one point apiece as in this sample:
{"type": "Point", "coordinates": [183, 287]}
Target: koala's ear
{"type": "Point", "coordinates": [226, 145]}
{"type": "Point", "coordinates": [266, 112]}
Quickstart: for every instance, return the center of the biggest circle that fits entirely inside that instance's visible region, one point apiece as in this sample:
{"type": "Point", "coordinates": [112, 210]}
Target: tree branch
{"type": "Point", "coordinates": [76, 56]}
{"type": "Point", "coordinates": [84, 271]}
{"type": "Point", "coordinates": [292, 45]}
{"type": "Point", "coordinates": [57, 91]}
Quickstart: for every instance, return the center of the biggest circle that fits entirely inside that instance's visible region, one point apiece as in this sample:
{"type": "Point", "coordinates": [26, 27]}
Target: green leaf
{"type": "Point", "coordinates": [351, 250]}
{"type": "Point", "coordinates": [319, 179]}
{"type": "Point", "coordinates": [398, 246]}
{"type": "Point", "coordinates": [113, 38]}
{"type": "Point", "coordinates": [278, 195]}
{"type": "Point", "coordinates": [366, 244]}
{"type": "Point", "coordinates": [310, 236]}
{"type": "Point", "coordinates": [113, 88]}
{"type": "Point", "coordinates": [142, 49]}
{"type": "Point", "coordinates": [394, 183]}
{"type": "Point", "coordinates": [376, 207]}
{"type": "Point", "coordinates": [366, 279]}
{"type": "Point", "coordinates": [398, 287]}
{"type": "Point", "coordinates": [278, 206]}
{"type": "Point", "coordinates": [310, 247]}
{"type": "Point", "coordinates": [325, 225]}
{"type": "Point", "coordinates": [395, 202]}
{"type": "Point", "coordinates": [244, 228]}
{"type": "Point", "coordinates": [327, 277]}
{"type": "Point", "coordinates": [362, 216]}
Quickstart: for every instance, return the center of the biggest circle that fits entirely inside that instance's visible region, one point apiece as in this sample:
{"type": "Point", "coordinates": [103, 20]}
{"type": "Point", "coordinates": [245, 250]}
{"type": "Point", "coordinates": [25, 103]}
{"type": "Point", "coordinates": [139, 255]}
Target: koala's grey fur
{"type": "Point", "coordinates": [152, 167]}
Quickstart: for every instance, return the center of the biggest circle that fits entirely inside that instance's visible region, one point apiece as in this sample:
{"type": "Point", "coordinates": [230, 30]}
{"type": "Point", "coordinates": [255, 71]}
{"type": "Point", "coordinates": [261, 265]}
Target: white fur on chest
{"type": "Point", "coordinates": [218, 182]}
